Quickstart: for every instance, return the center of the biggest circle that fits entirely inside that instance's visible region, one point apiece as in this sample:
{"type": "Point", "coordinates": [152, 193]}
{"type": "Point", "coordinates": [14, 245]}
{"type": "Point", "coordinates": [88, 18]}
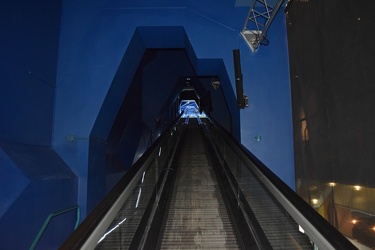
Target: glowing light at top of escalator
{"type": "Point", "coordinates": [190, 108]}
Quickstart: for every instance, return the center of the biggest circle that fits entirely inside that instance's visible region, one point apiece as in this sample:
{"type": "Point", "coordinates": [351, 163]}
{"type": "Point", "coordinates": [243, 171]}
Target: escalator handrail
{"type": "Point", "coordinates": [95, 224]}
{"type": "Point", "coordinates": [315, 226]}
{"type": "Point", "coordinates": [248, 226]}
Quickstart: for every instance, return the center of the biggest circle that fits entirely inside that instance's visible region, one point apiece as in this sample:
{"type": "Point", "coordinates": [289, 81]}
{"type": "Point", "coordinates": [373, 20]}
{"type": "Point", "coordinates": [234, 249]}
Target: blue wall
{"type": "Point", "coordinates": [96, 48]}
{"type": "Point", "coordinates": [34, 181]}
{"type": "Point", "coordinates": [29, 44]}
{"type": "Point", "coordinates": [269, 115]}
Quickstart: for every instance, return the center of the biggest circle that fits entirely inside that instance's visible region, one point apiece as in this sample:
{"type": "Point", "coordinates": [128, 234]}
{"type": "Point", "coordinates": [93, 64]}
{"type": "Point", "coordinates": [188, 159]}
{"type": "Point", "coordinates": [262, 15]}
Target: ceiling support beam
{"type": "Point", "coordinates": [259, 19]}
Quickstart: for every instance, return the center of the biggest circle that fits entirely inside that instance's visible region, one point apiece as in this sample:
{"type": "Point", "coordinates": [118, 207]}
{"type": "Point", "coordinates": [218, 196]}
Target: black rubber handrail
{"type": "Point", "coordinates": [248, 227]}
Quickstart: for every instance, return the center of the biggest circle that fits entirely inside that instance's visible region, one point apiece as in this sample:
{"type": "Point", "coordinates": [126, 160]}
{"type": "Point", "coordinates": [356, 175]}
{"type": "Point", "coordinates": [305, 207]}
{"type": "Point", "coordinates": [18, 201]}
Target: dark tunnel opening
{"type": "Point", "coordinates": [143, 100]}
{"type": "Point", "coordinates": [163, 79]}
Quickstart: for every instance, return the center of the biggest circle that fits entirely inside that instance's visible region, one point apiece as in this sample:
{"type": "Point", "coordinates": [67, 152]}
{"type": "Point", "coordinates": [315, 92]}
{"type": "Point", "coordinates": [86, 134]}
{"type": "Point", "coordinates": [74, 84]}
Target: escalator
{"type": "Point", "coordinates": [197, 188]}
{"type": "Point", "coordinates": [197, 216]}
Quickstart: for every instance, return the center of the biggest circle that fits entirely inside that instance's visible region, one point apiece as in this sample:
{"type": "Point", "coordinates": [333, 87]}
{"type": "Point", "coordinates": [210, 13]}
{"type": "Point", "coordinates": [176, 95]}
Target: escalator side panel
{"type": "Point", "coordinates": [247, 224]}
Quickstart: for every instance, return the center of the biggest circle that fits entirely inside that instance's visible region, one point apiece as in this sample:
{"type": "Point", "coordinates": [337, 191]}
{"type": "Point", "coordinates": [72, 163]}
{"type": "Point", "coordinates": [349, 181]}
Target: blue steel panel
{"type": "Point", "coordinates": [29, 45]}
{"type": "Point", "coordinates": [119, 87]}
{"type": "Point", "coordinates": [12, 182]}
{"type": "Point", "coordinates": [266, 81]}
{"type": "Point", "coordinates": [129, 142]}
{"type": "Point", "coordinates": [159, 79]}
{"type": "Point", "coordinates": [38, 163]}
{"type": "Point", "coordinates": [161, 36]}
{"type": "Point", "coordinates": [147, 4]}
{"type": "Point", "coordinates": [95, 176]}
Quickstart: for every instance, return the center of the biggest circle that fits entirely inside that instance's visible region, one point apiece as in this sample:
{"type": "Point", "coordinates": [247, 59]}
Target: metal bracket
{"type": "Point", "coordinates": [259, 18]}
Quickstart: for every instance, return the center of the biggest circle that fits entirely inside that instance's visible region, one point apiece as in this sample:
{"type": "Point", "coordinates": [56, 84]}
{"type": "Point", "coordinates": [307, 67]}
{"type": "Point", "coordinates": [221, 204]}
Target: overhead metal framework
{"type": "Point", "coordinates": [259, 19]}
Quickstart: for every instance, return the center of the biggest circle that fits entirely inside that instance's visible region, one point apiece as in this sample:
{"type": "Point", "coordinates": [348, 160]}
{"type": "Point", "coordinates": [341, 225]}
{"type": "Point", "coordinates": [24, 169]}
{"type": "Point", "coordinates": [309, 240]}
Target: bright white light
{"type": "Point", "coordinates": [122, 221]}
{"type": "Point", "coordinates": [139, 196]}
{"type": "Point", "coordinates": [332, 184]}
{"type": "Point", "coordinates": [357, 188]}
{"type": "Point", "coordinates": [110, 231]}
{"type": "Point", "coordinates": [159, 151]}
{"type": "Point", "coordinates": [143, 176]}
{"type": "Point", "coordinates": [301, 229]}
{"type": "Point", "coordinates": [315, 201]}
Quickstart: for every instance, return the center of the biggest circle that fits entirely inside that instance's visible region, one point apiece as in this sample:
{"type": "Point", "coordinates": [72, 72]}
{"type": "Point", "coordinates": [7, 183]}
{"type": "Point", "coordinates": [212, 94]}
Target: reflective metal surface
{"type": "Point", "coordinates": [279, 227]}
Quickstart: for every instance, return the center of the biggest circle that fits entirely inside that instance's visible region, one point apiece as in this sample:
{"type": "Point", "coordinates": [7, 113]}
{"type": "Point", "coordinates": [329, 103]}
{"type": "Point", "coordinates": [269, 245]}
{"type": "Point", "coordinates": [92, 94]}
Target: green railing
{"type": "Point", "coordinates": [48, 219]}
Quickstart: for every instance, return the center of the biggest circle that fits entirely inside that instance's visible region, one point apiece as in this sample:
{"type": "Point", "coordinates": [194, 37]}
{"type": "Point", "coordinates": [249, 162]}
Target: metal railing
{"type": "Point", "coordinates": [49, 218]}
{"type": "Point", "coordinates": [282, 214]}
{"type": "Point", "coordinates": [118, 215]}
{"type": "Point", "coordinates": [121, 219]}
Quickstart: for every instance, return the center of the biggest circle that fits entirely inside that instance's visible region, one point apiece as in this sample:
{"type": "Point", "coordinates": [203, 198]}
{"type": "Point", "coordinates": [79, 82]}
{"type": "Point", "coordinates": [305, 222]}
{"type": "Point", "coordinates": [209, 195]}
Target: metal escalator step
{"type": "Point", "coordinates": [197, 217]}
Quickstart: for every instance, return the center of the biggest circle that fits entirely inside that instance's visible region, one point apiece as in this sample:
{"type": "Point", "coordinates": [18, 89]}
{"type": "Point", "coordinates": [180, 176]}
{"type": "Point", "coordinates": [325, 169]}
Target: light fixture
{"type": "Point", "coordinates": [70, 138]}
{"type": "Point", "coordinates": [354, 221]}
{"type": "Point", "coordinates": [312, 188]}
{"type": "Point", "coordinates": [357, 188]}
{"type": "Point", "coordinates": [315, 201]}
{"type": "Point", "coordinates": [159, 151]}
{"type": "Point", "coordinates": [258, 137]}
{"type": "Point", "coordinates": [332, 184]}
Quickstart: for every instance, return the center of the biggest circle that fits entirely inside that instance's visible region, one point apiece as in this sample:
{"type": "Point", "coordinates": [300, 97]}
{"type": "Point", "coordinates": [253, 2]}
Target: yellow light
{"type": "Point", "coordinates": [357, 188]}
{"type": "Point", "coordinates": [315, 201]}
{"type": "Point", "coordinates": [354, 221]}
{"type": "Point", "coordinates": [332, 184]}
{"type": "Point", "coordinates": [373, 228]}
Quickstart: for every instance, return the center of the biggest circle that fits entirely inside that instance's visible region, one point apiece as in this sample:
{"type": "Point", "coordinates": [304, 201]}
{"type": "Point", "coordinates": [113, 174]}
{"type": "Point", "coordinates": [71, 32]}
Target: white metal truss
{"type": "Point", "coordinates": [258, 20]}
